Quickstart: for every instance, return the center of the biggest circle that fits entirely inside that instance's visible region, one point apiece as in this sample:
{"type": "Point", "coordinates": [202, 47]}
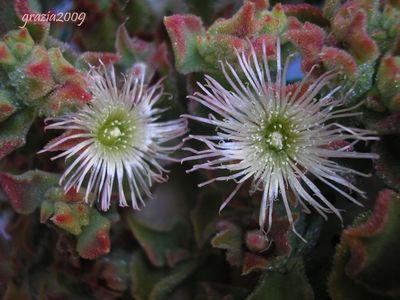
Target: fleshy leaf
{"type": "Point", "coordinates": [350, 27]}
{"type": "Point", "coordinates": [242, 24]}
{"type": "Point", "coordinates": [253, 262]}
{"type": "Point", "coordinates": [306, 13]}
{"type": "Point", "coordinates": [13, 131]}
{"type": "Point", "coordinates": [33, 79]}
{"type": "Point", "coordinates": [229, 238]}
{"type": "Point", "coordinates": [341, 287]}
{"type": "Point", "coordinates": [388, 82]}
{"type": "Point", "coordinates": [150, 283]}
{"type": "Point", "coordinates": [131, 50]}
{"type": "Point", "coordinates": [289, 284]}
{"type": "Point", "coordinates": [184, 31]}
{"type": "Point", "coordinates": [204, 218]}
{"type": "Point", "coordinates": [94, 240]}
{"type": "Point", "coordinates": [388, 164]}
{"type": "Point", "coordinates": [382, 123]}
{"type": "Point", "coordinates": [64, 213]}
{"type": "Point", "coordinates": [161, 246]}
{"type": "Point", "coordinates": [19, 42]}
{"type": "Point", "coordinates": [373, 242]}
{"type": "Point", "coordinates": [27, 191]}
{"type": "Point", "coordinates": [334, 58]}
{"type": "Point", "coordinates": [109, 276]}
{"type": "Point", "coordinates": [6, 57]}
{"type": "Point", "coordinates": [309, 39]}
{"type": "Point", "coordinates": [7, 105]}
{"type": "Point", "coordinates": [38, 28]}
{"type": "Point", "coordinates": [368, 253]}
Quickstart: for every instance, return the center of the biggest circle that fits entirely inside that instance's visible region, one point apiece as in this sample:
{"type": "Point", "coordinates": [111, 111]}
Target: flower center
{"type": "Point", "coordinates": [116, 131]}
{"type": "Point", "coordinates": [278, 135]}
{"type": "Point", "coordinates": [276, 140]}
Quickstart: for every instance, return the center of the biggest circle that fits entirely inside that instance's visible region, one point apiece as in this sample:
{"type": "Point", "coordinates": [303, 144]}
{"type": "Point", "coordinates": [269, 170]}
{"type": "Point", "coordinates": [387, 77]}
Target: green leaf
{"type": "Point", "coordinates": [150, 283]}
{"type": "Point", "coordinates": [13, 131]}
{"type": "Point", "coordinates": [388, 164]}
{"type": "Point", "coordinates": [229, 237]}
{"type": "Point", "coordinates": [7, 105]}
{"type": "Point", "coordinates": [161, 247]}
{"type": "Point", "coordinates": [204, 218]}
{"type": "Point", "coordinates": [289, 284]}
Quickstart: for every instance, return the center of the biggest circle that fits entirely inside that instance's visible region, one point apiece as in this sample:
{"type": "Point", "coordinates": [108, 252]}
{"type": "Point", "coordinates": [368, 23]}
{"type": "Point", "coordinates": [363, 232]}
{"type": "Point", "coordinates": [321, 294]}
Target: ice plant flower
{"type": "Point", "coordinates": [278, 136]}
{"type": "Point", "coordinates": [117, 138]}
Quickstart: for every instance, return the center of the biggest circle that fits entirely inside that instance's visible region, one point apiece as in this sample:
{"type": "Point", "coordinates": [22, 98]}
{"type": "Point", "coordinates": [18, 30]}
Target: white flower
{"type": "Point", "coordinates": [277, 138]}
{"type": "Point", "coordinates": [116, 138]}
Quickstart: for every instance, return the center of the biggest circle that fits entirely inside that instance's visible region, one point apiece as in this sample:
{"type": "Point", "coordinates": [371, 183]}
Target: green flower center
{"type": "Point", "coordinates": [116, 132]}
{"type": "Point", "coordinates": [278, 135]}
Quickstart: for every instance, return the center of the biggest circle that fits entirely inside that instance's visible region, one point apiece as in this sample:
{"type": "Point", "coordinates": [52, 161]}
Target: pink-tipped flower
{"type": "Point", "coordinates": [277, 136]}
{"type": "Point", "coordinates": [117, 142]}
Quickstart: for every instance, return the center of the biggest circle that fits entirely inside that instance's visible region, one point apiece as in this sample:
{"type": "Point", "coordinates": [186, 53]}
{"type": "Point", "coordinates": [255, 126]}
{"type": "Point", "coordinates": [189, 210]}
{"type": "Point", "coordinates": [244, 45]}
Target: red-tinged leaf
{"type": "Point", "coordinates": [373, 102]}
{"type": "Point", "coordinates": [13, 131]}
{"type": "Point", "coordinates": [242, 24]}
{"type": "Point", "coordinates": [225, 45]}
{"type": "Point", "coordinates": [39, 65]}
{"type": "Point", "coordinates": [7, 105]}
{"type": "Point", "coordinates": [71, 217]}
{"type": "Point", "coordinates": [68, 95]}
{"type": "Point", "coordinates": [33, 79]}
{"type": "Point", "coordinates": [366, 261]}
{"type": "Point", "coordinates": [184, 31]}
{"type": "Point", "coordinates": [109, 276]}
{"type": "Point", "coordinates": [94, 59]}
{"type": "Point", "coordinates": [62, 70]}
{"type": "Point", "coordinates": [340, 286]}
{"type": "Point", "coordinates": [279, 234]}
{"type": "Point", "coordinates": [160, 60]}
{"type": "Point", "coordinates": [94, 240]}
{"type": "Point", "coordinates": [309, 39]}
{"type": "Point", "coordinates": [371, 227]}
{"type": "Point", "coordinates": [253, 262]}
{"type": "Point", "coordinates": [229, 237]}
{"type": "Point", "coordinates": [6, 57]}
{"type": "Point", "coordinates": [294, 23]}
{"type": "Point", "coordinates": [335, 58]}
{"type": "Point", "coordinates": [39, 28]}
{"type": "Point", "coordinates": [388, 164]}
{"type": "Point", "coordinates": [350, 27]}
{"type": "Point", "coordinates": [274, 21]}
{"type": "Point", "coordinates": [306, 13]}
{"type": "Point", "coordinates": [259, 4]}
{"type": "Point", "coordinates": [19, 42]}
{"type": "Point", "coordinates": [26, 192]}
{"type": "Point", "coordinates": [362, 45]}
{"type": "Point", "coordinates": [131, 49]}
{"type": "Point", "coordinates": [388, 82]}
